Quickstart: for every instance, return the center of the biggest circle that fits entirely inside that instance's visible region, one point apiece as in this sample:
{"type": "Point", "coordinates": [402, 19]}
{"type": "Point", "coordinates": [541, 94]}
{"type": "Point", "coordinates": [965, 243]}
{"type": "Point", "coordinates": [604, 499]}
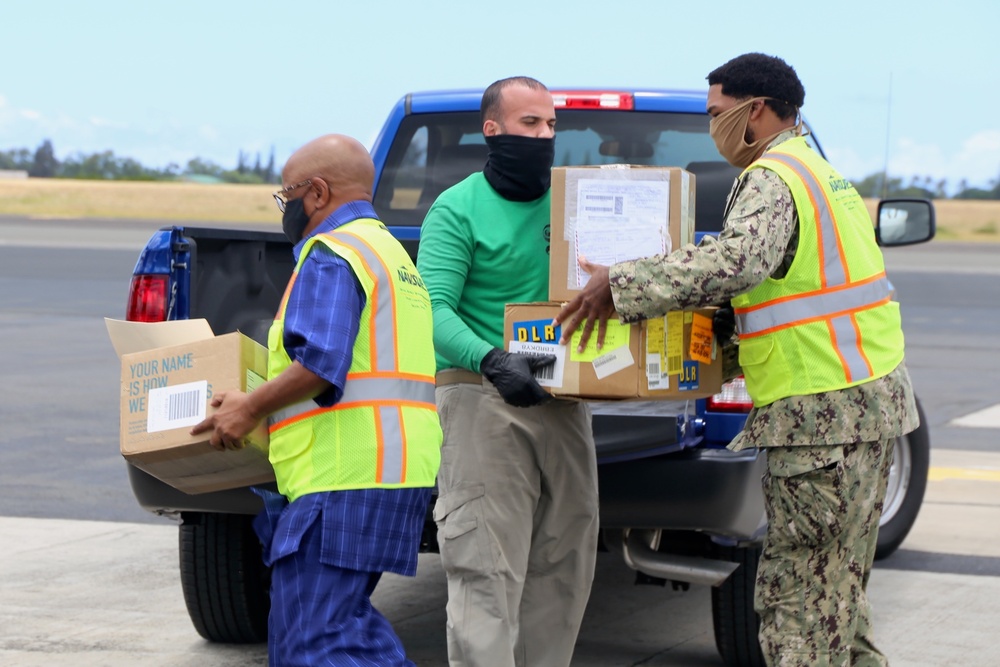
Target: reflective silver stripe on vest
{"type": "Point", "coordinates": [385, 312]}
{"type": "Point", "coordinates": [367, 391]}
{"type": "Point", "coordinates": [850, 347]}
{"type": "Point", "coordinates": [392, 457]}
{"type": "Point", "coordinates": [292, 411]}
{"type": "Point", "coordinates": [388, 389]}
{"type": "Point", "coordinates": [818, 306]}
{"type": "Point", "coordinates": [833, 263]}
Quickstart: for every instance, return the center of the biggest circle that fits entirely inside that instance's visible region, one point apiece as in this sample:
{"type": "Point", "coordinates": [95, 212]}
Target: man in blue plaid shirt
{"type": "Point", "coordinates": [355, 438]}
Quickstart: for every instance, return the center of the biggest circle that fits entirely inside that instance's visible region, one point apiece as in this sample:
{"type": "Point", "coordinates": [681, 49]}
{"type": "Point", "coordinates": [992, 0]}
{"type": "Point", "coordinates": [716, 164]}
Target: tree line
{"type": "Point", "coordinates": [922, 187]}
{"type": "Point", "coordinates": [42, 163]}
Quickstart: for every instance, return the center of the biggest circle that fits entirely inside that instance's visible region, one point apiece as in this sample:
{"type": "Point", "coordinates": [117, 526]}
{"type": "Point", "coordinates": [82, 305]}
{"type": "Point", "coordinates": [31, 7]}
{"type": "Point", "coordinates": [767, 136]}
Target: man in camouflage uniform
{"type": "Point", "coordinates": [829, 452]}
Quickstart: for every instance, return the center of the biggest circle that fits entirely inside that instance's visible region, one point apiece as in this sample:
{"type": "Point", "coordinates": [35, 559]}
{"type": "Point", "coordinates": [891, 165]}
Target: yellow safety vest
{"type": "Point", "coordinates": [830, 323]}
{"type": "Point", "coordinates": [384, 432]}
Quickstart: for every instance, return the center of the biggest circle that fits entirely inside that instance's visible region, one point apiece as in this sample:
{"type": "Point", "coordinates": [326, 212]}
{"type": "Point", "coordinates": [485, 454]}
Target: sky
{"type": "Point", "coordinates": [914, 87]}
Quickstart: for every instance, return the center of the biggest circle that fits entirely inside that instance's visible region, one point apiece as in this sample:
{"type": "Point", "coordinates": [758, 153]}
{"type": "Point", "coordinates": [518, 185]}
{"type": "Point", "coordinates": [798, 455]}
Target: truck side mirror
{"type": "Point", "coordinates": [904, 222]}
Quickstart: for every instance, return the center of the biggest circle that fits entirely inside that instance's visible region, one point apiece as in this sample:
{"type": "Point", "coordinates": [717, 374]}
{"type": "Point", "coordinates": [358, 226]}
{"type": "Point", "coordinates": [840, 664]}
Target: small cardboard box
{"type": "Point", "coordinates": [615, 213]}
{"type": "Point", "coordinates": [653, 359]}
{"type": "Point", "coordinates": [169, 373]}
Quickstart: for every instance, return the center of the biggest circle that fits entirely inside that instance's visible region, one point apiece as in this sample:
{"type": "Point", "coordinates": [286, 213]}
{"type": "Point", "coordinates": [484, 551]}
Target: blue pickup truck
{"type": "Point", "coordinates": [675, 503]}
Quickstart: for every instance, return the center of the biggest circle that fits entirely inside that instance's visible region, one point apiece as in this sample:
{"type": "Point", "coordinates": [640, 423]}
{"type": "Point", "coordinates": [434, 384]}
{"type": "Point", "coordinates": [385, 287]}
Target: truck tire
{"type": "Point", "coordinates": [735, 622]}
{"type": "Point", "coordinates": [226, 584]}
{"type": "Point", "coordinates": [905, 491]}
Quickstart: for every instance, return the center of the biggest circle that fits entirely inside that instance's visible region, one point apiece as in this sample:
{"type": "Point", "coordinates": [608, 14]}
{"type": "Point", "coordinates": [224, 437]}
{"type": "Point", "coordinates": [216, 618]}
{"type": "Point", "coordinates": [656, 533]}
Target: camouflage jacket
{"type": "Point", "coordinates": [759, 239]}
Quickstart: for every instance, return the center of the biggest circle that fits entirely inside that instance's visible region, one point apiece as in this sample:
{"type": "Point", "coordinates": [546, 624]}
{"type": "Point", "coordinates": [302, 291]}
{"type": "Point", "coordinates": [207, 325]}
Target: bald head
{"type": "Point", "coordinates": [338, 169]}
{"type": "Point", "coordinates": [341, 161]}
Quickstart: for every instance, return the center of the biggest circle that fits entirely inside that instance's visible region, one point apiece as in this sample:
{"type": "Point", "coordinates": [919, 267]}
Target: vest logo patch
{"type": "Point", "coordinates": [409, 277]}
{"type": "Point", "coordinates": [840, 184]}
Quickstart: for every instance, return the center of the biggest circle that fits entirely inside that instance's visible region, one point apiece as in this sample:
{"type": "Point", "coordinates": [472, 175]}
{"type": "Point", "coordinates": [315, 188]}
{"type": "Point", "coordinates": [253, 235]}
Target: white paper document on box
{"type": "Point", "coordinates": [617, 221]}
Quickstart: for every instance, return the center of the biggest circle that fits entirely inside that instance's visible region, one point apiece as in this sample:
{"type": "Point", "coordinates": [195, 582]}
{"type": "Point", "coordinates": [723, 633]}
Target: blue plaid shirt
{"type": "Point", "coordinates": [371, 530]}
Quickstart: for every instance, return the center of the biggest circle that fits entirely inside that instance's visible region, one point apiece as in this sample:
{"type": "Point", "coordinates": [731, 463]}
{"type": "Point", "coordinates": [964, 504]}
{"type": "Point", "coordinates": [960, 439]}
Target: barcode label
{"type": "Point", "coordinates": [552, 375]}
{"type": "Point", "coordinates": [675, 342]}
{"type": "Point", "coordinates": [177, 406]}
{"type": "Point", "coordinates": [675, 364]}
{"type": "Point", "coordinates": [545, 373]}
{"type": "Point", "coordinates": [600, 203]}
{"type": "Point", "coordinates": [610, 363]}
{"type": "Point", "coordinates": [182, 406]}
{"type": "Point", "coordinates": [655, 379]}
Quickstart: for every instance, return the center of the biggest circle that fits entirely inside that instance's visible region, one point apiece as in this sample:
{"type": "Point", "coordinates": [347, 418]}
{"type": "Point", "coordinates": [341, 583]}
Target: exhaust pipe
{"type": "Point", "coordinates": [640, 556]}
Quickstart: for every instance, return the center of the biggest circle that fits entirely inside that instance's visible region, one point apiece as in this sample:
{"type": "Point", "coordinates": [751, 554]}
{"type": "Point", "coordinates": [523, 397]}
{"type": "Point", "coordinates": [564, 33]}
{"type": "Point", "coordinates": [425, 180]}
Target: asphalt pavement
{"type": "Point", "coordinates": [107, 594]}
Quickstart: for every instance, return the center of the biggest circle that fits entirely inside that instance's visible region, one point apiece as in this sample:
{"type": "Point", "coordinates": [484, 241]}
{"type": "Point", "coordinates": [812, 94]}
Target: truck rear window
{"type": "Point", "coordinates": [432, 152]}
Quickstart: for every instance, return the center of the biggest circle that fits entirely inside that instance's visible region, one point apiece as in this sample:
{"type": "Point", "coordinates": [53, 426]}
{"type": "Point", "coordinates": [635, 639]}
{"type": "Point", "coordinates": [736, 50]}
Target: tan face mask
{"type": "Point", "coordinates": [729, 129]}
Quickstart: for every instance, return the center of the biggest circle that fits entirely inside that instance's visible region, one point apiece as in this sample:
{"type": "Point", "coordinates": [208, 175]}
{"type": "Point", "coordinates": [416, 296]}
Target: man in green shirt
{"type": "Point", "coordinates": [517, 506]}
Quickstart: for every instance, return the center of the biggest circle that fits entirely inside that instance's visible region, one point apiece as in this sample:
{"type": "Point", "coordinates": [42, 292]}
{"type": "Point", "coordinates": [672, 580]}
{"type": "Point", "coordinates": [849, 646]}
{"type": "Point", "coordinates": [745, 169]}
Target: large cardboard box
{"type": "Point", "coordinates": [169, 373]}
{"type": "Point", "coordinates": [653, 359]}
{"type": "Point", "coordinates": [615, 213]}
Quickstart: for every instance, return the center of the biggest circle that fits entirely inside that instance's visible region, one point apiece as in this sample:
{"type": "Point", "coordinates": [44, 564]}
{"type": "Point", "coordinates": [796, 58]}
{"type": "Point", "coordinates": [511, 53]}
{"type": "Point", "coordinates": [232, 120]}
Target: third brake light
{"type": "Point", "coordinates": [592, 99]}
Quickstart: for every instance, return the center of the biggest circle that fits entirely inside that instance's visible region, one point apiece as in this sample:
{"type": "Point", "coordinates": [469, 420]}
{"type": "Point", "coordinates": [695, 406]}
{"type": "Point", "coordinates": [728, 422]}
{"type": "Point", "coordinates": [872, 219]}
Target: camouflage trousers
{"type": "Point", "coordinates": [823, 509]}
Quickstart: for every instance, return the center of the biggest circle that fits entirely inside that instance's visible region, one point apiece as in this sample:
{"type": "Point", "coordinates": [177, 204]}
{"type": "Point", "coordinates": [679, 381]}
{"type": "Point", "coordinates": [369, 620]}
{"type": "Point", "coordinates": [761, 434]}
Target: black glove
{"type": "Point", "coordinates": [512, 375]}
{"type": "Point", "coordinates": [723, 325]}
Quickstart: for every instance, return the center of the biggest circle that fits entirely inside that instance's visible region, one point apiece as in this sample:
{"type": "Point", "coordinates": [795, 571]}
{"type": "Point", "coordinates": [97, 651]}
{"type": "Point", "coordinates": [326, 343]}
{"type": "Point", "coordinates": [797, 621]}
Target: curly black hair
{"type": "Point", "coordinates": [761, 75]}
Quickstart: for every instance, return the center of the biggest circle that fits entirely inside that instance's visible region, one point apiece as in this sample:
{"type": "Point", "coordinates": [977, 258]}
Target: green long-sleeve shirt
{"type": "Point", "coordinates": [478, 252]}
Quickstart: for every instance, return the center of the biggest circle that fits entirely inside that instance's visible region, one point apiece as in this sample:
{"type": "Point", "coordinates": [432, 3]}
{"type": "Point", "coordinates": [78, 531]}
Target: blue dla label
{"type": "Point", "coordinates": [689, 376]}
{"type": "Point", "coordinates": [537, 331]}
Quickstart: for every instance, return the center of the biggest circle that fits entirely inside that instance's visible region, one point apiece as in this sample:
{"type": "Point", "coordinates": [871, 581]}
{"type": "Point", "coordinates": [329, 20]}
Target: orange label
{"type": "Point", "coordinates": [701, 339]}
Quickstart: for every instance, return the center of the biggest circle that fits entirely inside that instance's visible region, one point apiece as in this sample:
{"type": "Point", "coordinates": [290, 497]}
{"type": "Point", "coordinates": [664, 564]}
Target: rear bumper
{"type": "Point", "coordinates": [644, 482]}
{"type": "Point", "coordinates": [714, 491]}
{"type": "Point", "coordinates": [159, 498]}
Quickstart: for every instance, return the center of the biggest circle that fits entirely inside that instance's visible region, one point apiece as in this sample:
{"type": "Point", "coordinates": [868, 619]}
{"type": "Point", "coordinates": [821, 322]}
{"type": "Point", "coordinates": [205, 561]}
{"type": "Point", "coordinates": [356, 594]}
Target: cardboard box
{"type": "Point", "coordinates": [615, 213]}
{"type": "Point", "coordinates": [653, 359]}
{"type": "Point", "coordinates": [169, 373]}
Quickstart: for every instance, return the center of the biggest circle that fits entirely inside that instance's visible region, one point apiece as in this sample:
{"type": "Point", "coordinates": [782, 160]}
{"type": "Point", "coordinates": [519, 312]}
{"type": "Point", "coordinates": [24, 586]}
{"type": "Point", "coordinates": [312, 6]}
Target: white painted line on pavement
{"type": "Point", "coordinates": [69, 245]}
{"type": "Point", "coordinates": [985, 418]}
{"type": "Point", "coordinates": [935, 474]}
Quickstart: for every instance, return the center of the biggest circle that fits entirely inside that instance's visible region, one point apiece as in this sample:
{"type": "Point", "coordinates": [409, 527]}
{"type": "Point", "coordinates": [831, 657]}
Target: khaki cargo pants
{"type": "Point", "coordinates": [823, 508]}
{"type": "Point", "coordinates": [517, 518]}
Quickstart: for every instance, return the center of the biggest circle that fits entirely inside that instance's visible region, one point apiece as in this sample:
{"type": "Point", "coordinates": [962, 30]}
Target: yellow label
{"type": "Point", "coordinates": [675, 342]}
{"type": "Point", "coordinates": [253, 380]}
{"type": "Point", "coordinates": [655, 336]}
{"type": "Point", "coordinates": [617, 335]}
{"type": "Point", "coordinates": [700, 348]}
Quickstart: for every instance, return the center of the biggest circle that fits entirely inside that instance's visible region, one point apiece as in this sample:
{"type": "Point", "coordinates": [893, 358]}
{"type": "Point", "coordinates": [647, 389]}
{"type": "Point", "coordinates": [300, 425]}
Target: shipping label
{"type": "Point", "coordinates": [541, 337]}
{"type": "Point", "coordinates": [177, 406]}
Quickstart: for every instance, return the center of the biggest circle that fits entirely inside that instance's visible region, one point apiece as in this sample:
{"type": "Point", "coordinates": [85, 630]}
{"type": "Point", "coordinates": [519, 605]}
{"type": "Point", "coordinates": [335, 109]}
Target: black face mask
{"type": "Point", "coordinates": [519, 168]}
{"type": "Point", "coordinates": [294, 220]}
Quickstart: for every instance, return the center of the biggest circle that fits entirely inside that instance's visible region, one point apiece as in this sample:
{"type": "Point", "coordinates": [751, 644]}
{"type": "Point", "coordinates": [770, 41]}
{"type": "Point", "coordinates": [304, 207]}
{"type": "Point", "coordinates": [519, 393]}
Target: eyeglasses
{"type": "Point", "coordinates": [281, 196]}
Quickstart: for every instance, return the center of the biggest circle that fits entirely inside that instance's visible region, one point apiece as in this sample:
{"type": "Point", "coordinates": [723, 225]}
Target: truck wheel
{"type": "Point", "coordinates": [226, 585]}
{"type": "Point", "coordinates": [735, 622]}
{"type": "Point", "coordinates": [905, 491]}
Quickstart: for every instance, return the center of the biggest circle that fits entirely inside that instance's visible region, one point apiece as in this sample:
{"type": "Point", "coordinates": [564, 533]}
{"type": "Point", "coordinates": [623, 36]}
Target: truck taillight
{"type": "Point", "coordinates": [589, 99]}
{"type": "Point", "coordinates": [732, 398]}
{"type": "Point", "coordinates": [147, 299]}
